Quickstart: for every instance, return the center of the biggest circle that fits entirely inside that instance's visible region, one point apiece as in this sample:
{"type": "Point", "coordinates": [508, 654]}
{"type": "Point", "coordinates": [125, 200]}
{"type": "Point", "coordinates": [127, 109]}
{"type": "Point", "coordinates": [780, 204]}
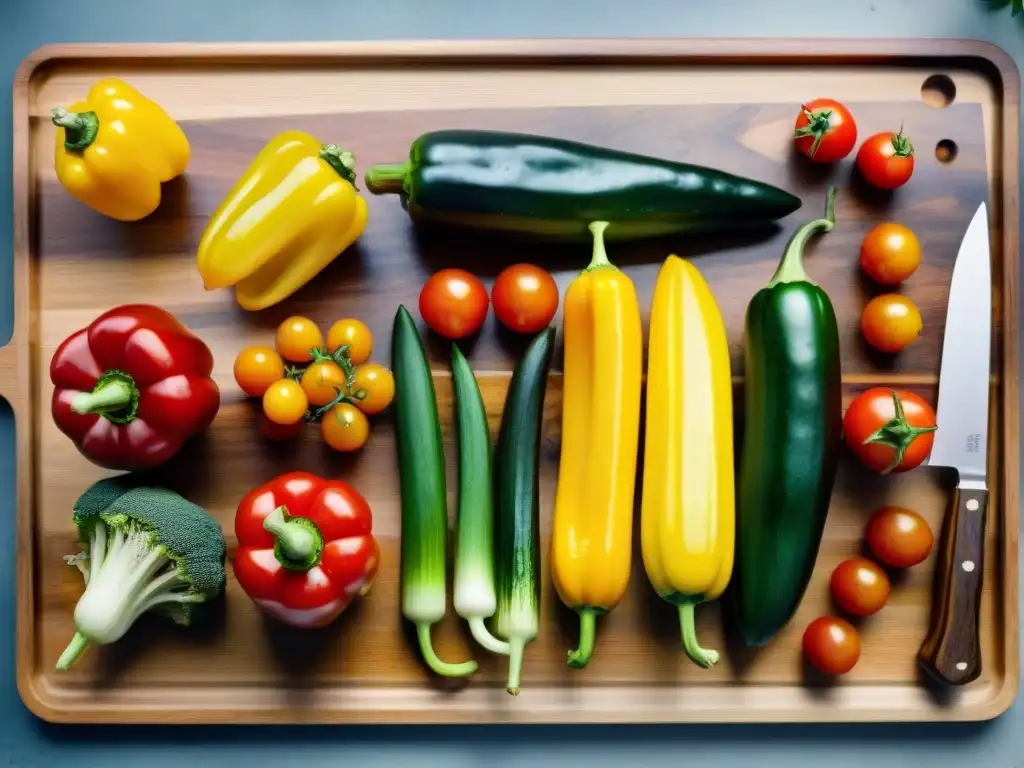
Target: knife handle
{"type": "Point", "coordinates": [951, 650]}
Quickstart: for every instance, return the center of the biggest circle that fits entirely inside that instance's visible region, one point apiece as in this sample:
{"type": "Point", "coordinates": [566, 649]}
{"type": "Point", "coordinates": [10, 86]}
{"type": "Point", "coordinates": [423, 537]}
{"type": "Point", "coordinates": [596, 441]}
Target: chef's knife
{"type": "Point", "coordinates": [951, 649]}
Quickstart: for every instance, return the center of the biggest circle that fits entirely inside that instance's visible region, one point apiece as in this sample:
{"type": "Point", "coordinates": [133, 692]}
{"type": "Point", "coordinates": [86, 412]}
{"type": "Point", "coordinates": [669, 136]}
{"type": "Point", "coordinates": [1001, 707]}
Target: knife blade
{"type": "Point", "coordinates": [951, 649]}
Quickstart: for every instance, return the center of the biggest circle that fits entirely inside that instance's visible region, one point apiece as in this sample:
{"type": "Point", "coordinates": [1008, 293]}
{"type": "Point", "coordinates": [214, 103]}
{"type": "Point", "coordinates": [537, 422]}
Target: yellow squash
{"type": "Point", "coordinates": [113, 150]}
{"type": "Point", "coordinates": [687, 513]}
{"type": "Point", "coordinates": [593, 520]}
{"type": "Point", "coordinates": [290, 215]}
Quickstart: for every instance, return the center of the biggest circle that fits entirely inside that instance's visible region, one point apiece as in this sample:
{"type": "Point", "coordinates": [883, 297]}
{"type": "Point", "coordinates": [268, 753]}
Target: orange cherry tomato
{"type": "Point", "coordinates": [525, 298]}
{"type": "Point", "coordinates": [355, 335]}
{"type": "Point", "coordinates": [378, 385]}
{"type": "Point", "coordinates": [860, 586]}
{"type": "Point", "coordinates": [256, 368]}
{"type": "Point", "coordinates": [285, 402]}
{"type": "Point", "coordinates": [273, 431]}
{"type": "Point", "coordinates": [890, 253]}
{"type": "Point", "coordinates": [899, 537]}
{"type": "Point", "coordinates": [345, 428]}
{"type": "Point", "coordinates": [322, 380]}
{"type": "Point", "coordinates": [453, 303]}
{"type": "Point", "coordinates": [295, 337]}
{"type": "Point", "coordinates": [832, 645]}
{"type": "Point", "coordinates": [891, 322]}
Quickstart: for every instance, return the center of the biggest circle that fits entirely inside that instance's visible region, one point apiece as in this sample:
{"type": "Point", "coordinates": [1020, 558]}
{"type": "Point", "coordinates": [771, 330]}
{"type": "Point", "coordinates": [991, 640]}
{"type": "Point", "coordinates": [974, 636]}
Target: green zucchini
{"type": "Point", "coordinates": [554, 188]}
{"type": "Point", "coordinates": [791, 439]}
{"type": "Point", "coordinates": [475, 598]}
{"type": "Point", "coordinates": [517, 550]}
{"type": "Point", "coordinates": [422, 482]}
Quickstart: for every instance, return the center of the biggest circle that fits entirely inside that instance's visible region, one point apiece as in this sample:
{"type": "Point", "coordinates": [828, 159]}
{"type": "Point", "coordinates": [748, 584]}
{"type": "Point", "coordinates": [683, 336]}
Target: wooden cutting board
{"type": "Point", "coordinates": [729, 104]}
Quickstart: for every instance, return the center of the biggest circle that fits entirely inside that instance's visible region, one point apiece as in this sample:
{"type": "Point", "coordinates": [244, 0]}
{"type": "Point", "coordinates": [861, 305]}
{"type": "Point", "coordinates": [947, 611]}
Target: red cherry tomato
{"type": "Point", "coordinates": [899, 537]}
{"type": "Point", "coordinates": [832, 645]}
{"type": "Point", "coordinates": [886, 160]}
{"type": "Point", "coordinates": [860, 586]}
{"type": "Point", "coordinates": [525, 298]}
{"type": "Point", "coordinates": [825, 131]}
{"type": "Point", "coordinates": [889, 430]}
{"type": "Point", "coordinates": [453, 303]}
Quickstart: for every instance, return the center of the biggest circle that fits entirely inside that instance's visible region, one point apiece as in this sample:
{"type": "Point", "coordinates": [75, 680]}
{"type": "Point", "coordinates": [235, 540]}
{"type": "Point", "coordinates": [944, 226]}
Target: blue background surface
{"type": "Point", "coordinates": [25, 741]}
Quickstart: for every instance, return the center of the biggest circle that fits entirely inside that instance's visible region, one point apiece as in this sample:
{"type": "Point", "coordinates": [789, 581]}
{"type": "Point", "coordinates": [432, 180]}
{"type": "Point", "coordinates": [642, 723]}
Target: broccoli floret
{"type": "Point", "coordinates": [145, 549]}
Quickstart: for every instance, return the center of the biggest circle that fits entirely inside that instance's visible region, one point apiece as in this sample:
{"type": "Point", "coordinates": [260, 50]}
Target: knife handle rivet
{"type": "Point", "coordinates": [972, 505]}
{"type": "Point", "coordinates": [968, 565]}
{"type": "Point", "coordinates": [961, 666]}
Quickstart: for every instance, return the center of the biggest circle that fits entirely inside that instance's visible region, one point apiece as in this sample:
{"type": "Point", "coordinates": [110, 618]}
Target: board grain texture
{"type": "Point", "coordinates": [725, 103]}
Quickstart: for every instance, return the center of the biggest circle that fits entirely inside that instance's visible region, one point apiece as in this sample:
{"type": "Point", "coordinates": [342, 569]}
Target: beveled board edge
{"type": "Point", "coordinates": [998, 66]}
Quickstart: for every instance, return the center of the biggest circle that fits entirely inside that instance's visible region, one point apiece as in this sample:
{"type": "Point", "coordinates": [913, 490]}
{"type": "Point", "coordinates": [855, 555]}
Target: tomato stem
{"type": "Point", "coordinates": [818, 125]}
{"type": "Point", "coordinates": [897, 433]}
{"type": "Point", "coordinates": [901, 144]}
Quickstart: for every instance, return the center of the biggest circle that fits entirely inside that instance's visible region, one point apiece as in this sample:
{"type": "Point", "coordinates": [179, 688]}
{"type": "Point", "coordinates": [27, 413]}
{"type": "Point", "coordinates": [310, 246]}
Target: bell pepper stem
{"type": "Point", "coordinates": [80, 128]}
{"type": "Point", "coordinates": [579, 658]}
{"type": "Point", "coordinates": [599, 258]}
{"type": "Point", "coordinates": [442, 668]}
{"type": "Point", "coordinates": [791, 267]}
{"type": "Point", "coordinates": [73, 652]}
{"type": "Point", "coordinates": [515, 664]}
{"type": "Point", "coordinates": [298, 542]}
{"type": "Point", "coordinates": [387, 179]}
{"type": "Point", "coordinates": [483, 636]}
{"type": "Point", "coordinates": [111, 395]}
{"type": "Point", "coordinates": [341, 160]}
{"type": "Point", "coordinates": [702, 657]}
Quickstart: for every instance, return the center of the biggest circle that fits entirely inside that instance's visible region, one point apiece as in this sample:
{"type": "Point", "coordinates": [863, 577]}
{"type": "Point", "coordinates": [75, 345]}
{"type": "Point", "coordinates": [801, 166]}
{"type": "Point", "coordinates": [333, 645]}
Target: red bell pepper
{"type": "Point", "coordinates": [132, 387]}
{"type": "Point", "coordinates": [305, 548]}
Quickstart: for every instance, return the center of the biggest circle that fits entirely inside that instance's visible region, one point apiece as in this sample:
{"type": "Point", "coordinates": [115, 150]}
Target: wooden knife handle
{"type": "Point", "coordinates": [951, 650]}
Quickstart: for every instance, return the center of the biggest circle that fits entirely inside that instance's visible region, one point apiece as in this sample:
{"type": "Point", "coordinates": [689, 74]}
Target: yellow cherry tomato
{"type": "Point", "coordinates": [296, 336]}
{"type": "Point", "coordinates": [378, 385]}
{"type": "Point", "coordinates": [322, 380]}
{"type": "Point", "coordinates": [356, 335]}
{"type": "Point", "coordinates": [890, 253]}
{"type": "Point", "coordinates": [256, 368]}
{"type": "Point", "coordinates": [890, 322]}
{"type": "Point", "coordinates": [285, 402]}
{"type": "Point", "coordinates": [345, 428]}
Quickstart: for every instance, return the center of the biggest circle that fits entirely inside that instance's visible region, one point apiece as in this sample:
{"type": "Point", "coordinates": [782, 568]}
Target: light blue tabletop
{"type": "Point", "coordinates": [24, 741]}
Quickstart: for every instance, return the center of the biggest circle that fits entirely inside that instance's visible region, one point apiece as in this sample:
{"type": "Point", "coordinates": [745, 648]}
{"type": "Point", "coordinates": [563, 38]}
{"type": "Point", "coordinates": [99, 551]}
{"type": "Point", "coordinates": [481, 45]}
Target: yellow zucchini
{"type": "Point", "coordinates": [593, 523]}
{"type": "Point", "coordinates": [688, 515]}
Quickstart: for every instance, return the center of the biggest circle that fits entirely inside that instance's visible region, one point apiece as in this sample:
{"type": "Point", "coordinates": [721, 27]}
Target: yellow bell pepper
{"type": "Point", "coordinates": [113, 150]}
{"type": "Point", "coordinates": [593, 520]}
{"type": "Point", "coordinates": [688, 510]}
{"type": "Point", "coordinates": [290, 215]}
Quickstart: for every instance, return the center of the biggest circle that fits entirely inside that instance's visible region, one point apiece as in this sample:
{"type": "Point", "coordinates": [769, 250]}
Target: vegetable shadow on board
{"type": "Point", "coordinates": [438, 249]}
{"type": "Point", "coordinates": [191, 471]}
{"type": "Point", "coordinates": [300, 653]}
{"type": "Point", "coordinates": [316, 299]}
{"type": "Point", "coordinates": [739, 654]}
{"type": "Point", "coordinates": [804, 173]}
{"type": "Point", "coordinates": [151, 633]}
{"type": "Point", "coordinates": [873, 199]}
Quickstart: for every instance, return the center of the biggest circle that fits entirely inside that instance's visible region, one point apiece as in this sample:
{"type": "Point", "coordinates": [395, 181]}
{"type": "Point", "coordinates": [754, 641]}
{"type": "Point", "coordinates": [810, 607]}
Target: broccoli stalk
{"type": "Point", "coordinates": [145, 549]}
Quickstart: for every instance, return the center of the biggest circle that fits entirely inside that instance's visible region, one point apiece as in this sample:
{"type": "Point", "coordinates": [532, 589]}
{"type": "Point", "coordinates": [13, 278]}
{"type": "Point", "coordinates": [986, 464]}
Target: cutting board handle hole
{"type": "Point", "coordinates": [946, 151]}
{"type": "Point", "coordinates": [938, 91]}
